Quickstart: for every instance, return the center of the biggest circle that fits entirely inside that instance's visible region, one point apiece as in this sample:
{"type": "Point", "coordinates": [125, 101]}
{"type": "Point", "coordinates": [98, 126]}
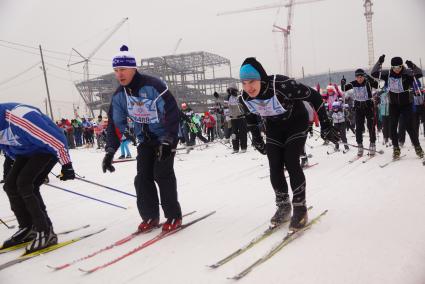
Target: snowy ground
{"type": "Point", "coordinates": [373, 232]}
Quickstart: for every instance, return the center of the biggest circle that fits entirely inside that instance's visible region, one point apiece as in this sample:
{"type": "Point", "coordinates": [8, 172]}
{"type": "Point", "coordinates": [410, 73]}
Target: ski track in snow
{"type": "Point", "coordinates": [371, 234]}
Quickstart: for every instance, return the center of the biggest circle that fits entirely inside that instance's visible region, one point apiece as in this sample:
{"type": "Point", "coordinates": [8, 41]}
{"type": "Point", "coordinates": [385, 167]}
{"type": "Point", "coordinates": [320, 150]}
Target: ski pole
{"type": "Point", "coordinates": [82, 178]}
{"type": "Point", "coordinates": [7, 226]}
{"type": "Point", "coordinates": [86, 196]}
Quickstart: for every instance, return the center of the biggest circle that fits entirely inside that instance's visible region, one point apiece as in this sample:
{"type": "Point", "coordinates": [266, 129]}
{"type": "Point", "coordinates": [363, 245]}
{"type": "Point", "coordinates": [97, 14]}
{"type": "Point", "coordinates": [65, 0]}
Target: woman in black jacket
{"type": "Point", "coordinates": [278, 100]}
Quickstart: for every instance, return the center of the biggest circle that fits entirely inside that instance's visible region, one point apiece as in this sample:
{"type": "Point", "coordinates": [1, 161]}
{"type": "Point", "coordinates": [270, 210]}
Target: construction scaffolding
{"type": "Point", "coordinates": [191, 77]}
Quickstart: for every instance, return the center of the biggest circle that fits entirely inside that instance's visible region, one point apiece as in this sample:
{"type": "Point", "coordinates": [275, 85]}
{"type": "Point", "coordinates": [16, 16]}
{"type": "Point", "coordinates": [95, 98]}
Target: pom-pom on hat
{"type": "Point", "coordinates": [124, 59]}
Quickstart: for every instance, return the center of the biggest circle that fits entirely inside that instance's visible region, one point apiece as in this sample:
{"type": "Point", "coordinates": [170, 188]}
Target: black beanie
{"type": "Point", "coordinates": [257, 65]}
{"type": "Point", "coordinates": [396, 61]}
{"type": "Point", "coordinates": [359, 72]}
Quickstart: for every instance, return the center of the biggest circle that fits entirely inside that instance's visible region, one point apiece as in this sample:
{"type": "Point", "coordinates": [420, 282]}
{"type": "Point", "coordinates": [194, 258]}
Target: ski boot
{"type": "Point", "coordinates": [336, 149]}
{"type": "Point", "coordinates": [43, 239]}
{"type": "Point", "coordinates": [283, 210]}
{"type": "Point", "coordinates": [235, 151]}
{"type": "Point", "coordinates": [121, 157]}
{"type": "Point", "coordinates": [148, 225]}
{"type": "Point", "coordinates": [396, 153]}
{"type": "Point", "coordinates": [128, 157]}
{"type": "Point", "coordinates": [299, 218]}
{"type": "Point", "coordinates": [243, 150]}
{"type": "Point", "coordinates": [419, 151]}
{"type": "Point", "coordinates": [23, 235]}
{"type": "Point", "coordinates": [360, 150]}
{"type": "Point", "coordinates": [372, 149]}
{"type": "Point", "coordinates": [171, 224]}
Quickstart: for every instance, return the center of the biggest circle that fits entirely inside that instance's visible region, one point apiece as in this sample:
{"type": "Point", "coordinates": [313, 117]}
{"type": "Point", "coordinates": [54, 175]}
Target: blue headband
{"type": "Point", "coordinates": [248, 72]}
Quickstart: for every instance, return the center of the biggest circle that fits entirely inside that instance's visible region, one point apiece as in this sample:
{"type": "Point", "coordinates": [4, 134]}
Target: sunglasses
{"type": "Point", "coordinates": [398, 67]}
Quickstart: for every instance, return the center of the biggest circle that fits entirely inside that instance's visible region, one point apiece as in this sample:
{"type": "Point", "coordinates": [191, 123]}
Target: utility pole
{"type": "Point", "coordinates": [47, 86]}
{"type": "Point", "coordinates": [45, 105]}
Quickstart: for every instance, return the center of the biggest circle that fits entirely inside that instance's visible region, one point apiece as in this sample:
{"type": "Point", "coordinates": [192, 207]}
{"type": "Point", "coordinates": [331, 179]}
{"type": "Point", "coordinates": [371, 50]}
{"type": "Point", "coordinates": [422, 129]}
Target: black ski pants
{"type": "Point", "coordinates": [365, 111]}
{"type": "Point", "coordinates": [406, 111]}
{"type": "Point", "coordinates": [22, 187]}
{"type": "Point", "coordinates": [285, 143]}
{"type": "Point", "coordinates": [149, 171]}
{"type": "Point", "coordinates": [419, 116]}
{"type": "Point", "coordinates": [239, 136]}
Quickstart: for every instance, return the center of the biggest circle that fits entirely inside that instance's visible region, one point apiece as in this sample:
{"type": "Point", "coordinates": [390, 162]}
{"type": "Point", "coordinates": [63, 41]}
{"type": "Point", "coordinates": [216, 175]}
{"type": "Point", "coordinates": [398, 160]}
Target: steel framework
{"type": "Point", "coordinates": [191, 77]}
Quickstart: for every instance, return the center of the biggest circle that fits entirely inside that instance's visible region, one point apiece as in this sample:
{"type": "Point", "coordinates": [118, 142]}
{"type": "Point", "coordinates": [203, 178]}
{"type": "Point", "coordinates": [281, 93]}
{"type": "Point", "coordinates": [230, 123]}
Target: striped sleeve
{"type": "Point", "coordinates": [41, 136]}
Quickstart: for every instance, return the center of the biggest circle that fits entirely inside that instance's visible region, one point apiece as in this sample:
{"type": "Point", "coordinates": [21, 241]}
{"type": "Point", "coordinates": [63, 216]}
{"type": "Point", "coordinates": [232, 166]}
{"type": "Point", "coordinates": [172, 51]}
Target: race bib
{"type": "Point", "coordinates": [142, 110]}
{"type": "Point", "coordinates": [269, 107]}
{"type": "Point", "coordinates": [360, 94]}
{"type": "Point", "coordinates": [395, 85]}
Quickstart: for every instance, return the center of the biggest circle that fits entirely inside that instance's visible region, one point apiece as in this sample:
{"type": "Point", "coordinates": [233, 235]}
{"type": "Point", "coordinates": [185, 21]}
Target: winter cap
{"type": "Point", "coordinates": [124, 59]}
{"type": "Point", "coordinates": [251, 69]}
{"type": "Point", "coordinates": [233, 86]}
{"type": "Point", "coordinates": [359, 72]}
{"type": "Point", "coordinates": [396, 61]}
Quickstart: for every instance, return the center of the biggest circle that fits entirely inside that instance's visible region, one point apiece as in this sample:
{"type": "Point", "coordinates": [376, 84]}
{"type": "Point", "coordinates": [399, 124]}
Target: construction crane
{"type": "Point", "coordinates": [86, 60]}
{"type": "Point", "coordinates": [287, 59]}
{"type": "Point", "coordinates": [368, 14]}
{"type": "Point", "coordinates": [177, 46]}
{"type": "Point", "coordinates": [286, 31]}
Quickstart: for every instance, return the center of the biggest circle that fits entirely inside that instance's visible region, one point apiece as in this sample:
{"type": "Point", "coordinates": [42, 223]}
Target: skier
{"type": "Point", "coordinates": [278, 100]}
{"type": "Point", "coordinates": [209, 124]}
{"type": "Point", "coordinates": [36, 144]}
{"type": "Point", "coordinates": [338, 118]}
{"type": "Point", "coordinates": [237, 119]}
{"type": "Point", "coordinates": [364, 107]}
{"type": "Point", "coordinates": [147, 101]}
{"type": "Point", "coordinates": [399, 80]}
{"type": "Point", "coordinates": [384, 115]}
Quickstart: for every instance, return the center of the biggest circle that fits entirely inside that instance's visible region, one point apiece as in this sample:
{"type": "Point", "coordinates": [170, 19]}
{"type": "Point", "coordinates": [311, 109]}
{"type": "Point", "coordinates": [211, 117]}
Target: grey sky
{"type": "Point", "coordinates": [327, 34]}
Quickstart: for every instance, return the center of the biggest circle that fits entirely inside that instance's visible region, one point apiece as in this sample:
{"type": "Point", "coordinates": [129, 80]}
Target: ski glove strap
{"type": "Point", "coordinates": [107, 163]}
{"type": "Point", "coordinates": [67, 172]}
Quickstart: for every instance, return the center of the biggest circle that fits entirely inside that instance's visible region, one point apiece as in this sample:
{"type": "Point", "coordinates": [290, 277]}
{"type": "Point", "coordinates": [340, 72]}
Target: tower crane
{"type": "Point", "coordinates": [286, 31]}
{"type": "Point", "coordinates": [86, 60]}
{"type": "Point", "coordinates": [368, 14]}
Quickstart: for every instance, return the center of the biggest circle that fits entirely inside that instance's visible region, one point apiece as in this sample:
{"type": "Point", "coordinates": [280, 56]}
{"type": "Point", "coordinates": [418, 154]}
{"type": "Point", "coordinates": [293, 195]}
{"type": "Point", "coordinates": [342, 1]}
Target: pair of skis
{"type": "Point", "coordinates": [289, 237]}
{"type": "Point", "coordinates": [25, 256]}
{"type": "Point", "coordinates": [150, 242]}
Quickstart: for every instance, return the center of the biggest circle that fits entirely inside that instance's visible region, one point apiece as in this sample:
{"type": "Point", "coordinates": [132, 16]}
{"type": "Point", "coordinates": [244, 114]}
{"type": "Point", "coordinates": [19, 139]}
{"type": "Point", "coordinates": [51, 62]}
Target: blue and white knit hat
{"type": "Point", "coordinates": [124, 59]}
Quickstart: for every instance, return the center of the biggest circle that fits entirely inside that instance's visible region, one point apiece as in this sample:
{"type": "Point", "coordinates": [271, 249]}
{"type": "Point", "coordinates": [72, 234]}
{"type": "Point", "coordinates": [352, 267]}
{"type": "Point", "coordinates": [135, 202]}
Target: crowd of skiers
{"type": "Point", "coordinates": [278, 112]}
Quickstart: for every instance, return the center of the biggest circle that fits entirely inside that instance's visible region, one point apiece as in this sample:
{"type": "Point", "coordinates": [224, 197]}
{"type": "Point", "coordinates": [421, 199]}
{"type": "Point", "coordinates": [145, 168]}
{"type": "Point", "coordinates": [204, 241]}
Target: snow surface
{"type": "Point", "coordinates": [373, 232]}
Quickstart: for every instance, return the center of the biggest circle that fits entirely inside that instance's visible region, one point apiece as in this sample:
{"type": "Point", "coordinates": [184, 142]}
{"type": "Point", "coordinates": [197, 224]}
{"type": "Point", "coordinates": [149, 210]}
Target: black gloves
{"type": "Point", "coordinates": [381, 58]}
{"type": "Point", "coordinates": [165, 151]}
{"type": "Point", "coordinates": [67, 172]}
{"type": "Point", "coordinates": [107, 163]}
{"type": "Point", "coordinates": [329, 132]}
{"type": "Point", "coordinates": [258, 144]}
{"type": "Point", "coordinates": [409, 64]}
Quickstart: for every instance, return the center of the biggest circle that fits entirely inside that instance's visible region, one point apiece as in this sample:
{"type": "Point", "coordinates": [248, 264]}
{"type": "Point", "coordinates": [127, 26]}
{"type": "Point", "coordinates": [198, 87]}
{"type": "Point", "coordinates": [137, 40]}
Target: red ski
{"type": "Point", "coordinates": [115, 244]}
{"type": "Point", "coordinates": [155, 239]}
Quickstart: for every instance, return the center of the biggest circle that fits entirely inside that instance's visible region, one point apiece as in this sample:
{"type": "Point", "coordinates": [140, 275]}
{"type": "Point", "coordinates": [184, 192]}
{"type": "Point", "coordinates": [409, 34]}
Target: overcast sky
{"type": "Point", "coordinates": [325, 34]}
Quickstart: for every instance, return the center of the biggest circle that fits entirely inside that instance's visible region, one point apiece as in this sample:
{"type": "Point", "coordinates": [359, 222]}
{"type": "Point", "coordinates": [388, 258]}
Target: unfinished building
{"type": "Point", "coordinates": [191, 77]}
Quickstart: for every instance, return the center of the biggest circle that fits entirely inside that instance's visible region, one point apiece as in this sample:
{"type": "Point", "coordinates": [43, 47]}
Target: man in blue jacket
{"type": "Point", "coordinates": [35, 144]}
{"type": "Point", "coordinates": [150, 105]}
